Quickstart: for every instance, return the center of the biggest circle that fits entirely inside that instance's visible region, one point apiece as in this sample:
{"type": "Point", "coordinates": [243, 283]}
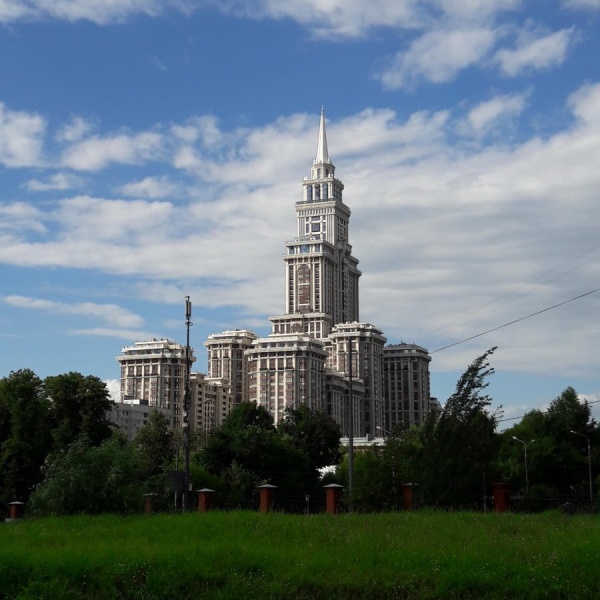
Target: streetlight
{"type": "Point", "coordinates": [385, 431]}
{"type": "Point", "coordinates": [526, 474]}
{"type": "Point", "coordinates": [589, 448]}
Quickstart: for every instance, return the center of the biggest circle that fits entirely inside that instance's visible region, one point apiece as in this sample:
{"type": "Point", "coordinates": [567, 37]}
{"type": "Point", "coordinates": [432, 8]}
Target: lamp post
{"type": "Point", "coordinates": [526, 474]}
{"type": "Point", "coordinates": [186, 410]}
{"type": "Point", "coordinates": [589, 453]}
{"type": "Point", "coordinates": [384, 431]}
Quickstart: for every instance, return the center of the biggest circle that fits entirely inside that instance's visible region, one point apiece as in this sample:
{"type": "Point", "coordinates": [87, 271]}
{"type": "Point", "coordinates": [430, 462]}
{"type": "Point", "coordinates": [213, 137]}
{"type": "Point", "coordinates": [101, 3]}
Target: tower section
{"type": "Point", "coordinates": [321, 281]}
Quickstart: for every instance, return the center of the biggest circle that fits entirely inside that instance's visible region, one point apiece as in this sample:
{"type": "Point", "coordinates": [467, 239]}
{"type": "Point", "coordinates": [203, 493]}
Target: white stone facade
{"type": "Point", "coordinates": [154, 371]}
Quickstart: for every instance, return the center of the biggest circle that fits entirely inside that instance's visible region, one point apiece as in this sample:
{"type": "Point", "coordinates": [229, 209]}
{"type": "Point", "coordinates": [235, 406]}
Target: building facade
{"type": "Point", "coordinates": [211, 400]}
{"type": "Point", "coordinates": [406, 381]}
{"type": "Point", "coordinates": [318, 352]}
{"type": "Point", "coordinates": [227, 361]}
{"type": "Point", "coordinates": [154, 372]}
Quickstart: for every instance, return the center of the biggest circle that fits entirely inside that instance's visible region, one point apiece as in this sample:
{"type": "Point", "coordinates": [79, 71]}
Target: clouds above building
{"type": "Point", "coordinates": [467, 135]}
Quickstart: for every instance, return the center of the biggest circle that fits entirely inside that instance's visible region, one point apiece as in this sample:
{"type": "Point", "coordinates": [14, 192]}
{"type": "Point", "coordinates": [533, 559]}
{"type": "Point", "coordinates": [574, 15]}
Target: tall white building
{"type": "Point", "coordinates": [226, 360]}
{"type": "Point", "coordinates": [306, 357]}
{"type": "Point", "coordinates": [154, 371]}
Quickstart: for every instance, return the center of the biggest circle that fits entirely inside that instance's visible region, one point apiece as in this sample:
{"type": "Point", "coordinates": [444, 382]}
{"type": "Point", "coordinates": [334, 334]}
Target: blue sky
{"type": "Point", "coordinates": [151, 149]}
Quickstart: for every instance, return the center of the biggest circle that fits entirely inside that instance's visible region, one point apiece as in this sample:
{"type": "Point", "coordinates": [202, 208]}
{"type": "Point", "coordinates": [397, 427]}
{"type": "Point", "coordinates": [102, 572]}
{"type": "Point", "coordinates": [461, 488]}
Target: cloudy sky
{"type": "Point", "coordinates": [151, 149]}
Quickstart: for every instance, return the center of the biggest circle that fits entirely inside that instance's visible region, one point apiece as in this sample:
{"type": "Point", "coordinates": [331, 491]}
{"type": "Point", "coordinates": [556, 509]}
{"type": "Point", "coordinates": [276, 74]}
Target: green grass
{"type": "Point", "coordinates": [246, 555]}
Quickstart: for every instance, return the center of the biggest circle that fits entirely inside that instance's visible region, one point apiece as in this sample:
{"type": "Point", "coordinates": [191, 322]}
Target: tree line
{"type": "Point", "coordinates": [454, 460]}
{"type": "Point", "coordinates": [60, 454]}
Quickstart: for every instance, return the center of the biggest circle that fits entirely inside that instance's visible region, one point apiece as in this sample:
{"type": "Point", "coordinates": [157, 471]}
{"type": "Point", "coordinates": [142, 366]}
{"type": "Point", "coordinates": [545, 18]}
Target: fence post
{"type": "Point", "coordinates": [266, 497]}
{"type": "Point", "coordinates": [333, 493]}
{"type": "Point", "coordinates": [205, 498]}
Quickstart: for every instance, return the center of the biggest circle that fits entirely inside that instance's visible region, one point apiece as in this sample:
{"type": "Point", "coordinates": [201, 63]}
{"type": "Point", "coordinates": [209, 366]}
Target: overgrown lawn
{"type": "Point", "coordinates": [247, 555]}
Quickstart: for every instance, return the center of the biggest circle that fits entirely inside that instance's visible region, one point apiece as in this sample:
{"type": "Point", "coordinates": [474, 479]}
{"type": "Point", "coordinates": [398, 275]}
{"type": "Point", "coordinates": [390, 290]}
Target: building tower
{"type": "Point", "coordinates": [321, 281]}
{"type": "Point", "coordinates": [302, 361]}
{"type": "Point", "coordinates": [226, 360]}
{"type": "Point", "coordinates": [154, 372]}
{"type": "Point", "coordinates": [406, 381]}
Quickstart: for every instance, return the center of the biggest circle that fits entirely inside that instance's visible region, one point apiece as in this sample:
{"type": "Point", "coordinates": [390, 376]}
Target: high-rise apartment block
{"type": "Point", "coordinates": [155, 371]}
{"type": "Point", "coordinates": [406, 384]}
{"type": "Point", "coordinates": [226, 360]}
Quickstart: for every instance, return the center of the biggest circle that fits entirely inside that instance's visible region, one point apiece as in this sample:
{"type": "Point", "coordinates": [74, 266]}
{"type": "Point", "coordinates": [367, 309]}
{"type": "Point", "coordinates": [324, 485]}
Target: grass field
{"type": "Point", "coordinates": [247, 555]}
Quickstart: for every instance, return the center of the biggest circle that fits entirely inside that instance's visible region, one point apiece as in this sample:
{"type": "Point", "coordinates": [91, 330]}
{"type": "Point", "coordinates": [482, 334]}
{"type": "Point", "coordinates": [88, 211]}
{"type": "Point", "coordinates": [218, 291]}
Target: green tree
{"type": "Point", "coordinates": [314, 433]}
{"type": "Point", "coordinates": [79, 408]}
{"type": "Point", "coordinates": [90, 479]}
{"type": "Point", "coordinates": [24, 435]}
{"type": "Point", "coordinates": [370, 482]}
{"type": "Point", "coordinates": [155, 442]}
{"type": "Point", "coordinates": [557, 459]}
{"type": "Point", "coordinates": [458, 450]}
{"type": "Point", "coordinates": [248, 450]}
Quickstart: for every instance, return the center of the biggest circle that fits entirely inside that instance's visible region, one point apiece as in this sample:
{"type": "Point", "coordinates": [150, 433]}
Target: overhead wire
{"type": "Point", "coordinates": [539, 312]}
{"type": "Point", "coordinates": [478, 312]}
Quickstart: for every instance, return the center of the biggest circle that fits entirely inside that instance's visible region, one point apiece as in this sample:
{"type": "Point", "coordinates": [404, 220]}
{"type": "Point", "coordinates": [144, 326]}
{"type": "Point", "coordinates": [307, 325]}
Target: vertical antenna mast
{"type": "Point", "coordinates": [186, 409]}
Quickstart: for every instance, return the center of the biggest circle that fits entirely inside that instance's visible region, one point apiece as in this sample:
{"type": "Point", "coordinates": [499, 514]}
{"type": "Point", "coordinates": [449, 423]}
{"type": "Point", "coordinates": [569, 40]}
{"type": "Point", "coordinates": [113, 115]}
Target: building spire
{"type": "Point", "coordinates": [322, 152]}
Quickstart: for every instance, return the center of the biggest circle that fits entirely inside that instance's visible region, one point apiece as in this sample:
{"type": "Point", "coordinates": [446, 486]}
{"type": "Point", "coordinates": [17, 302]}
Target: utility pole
{"type": "Point", "coordinates": [350, 426]}
{"type": "Point", "coordinates": [186, 410]}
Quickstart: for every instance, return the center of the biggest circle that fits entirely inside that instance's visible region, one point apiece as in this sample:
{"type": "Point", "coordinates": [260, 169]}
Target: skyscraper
{"type": "Point", "coordinates": [318, 351]}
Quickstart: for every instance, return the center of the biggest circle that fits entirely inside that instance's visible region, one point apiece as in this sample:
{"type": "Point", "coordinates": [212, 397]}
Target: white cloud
{"type": "Point", "coordinates": [21, 216]}
{"type": "Point", "coordinates": [585, 103]}
{"type": "Point", "coordinates": [356, 19]}
{"type": "Point", "coordinates": [125, 334]}
{"type": "Point", "coordinates": [441, 228]}
{"type": "Point", "coordinates": [583, 4]}
{"type": "Point", "coordinates": [535, 51]}
{"type": "Point", "coordinates": [486, 115]}
{"type": "Point", "coordinates": [75, 130]}
{"type": "Point", "coordinates": [57, 181]}
{"type": "Point", "coordinates": [21, 138]}
{"type": "Point", "coordinates": [100, 12]}
{"type": "Point", "coordinates": [111, 313]}
{"type": "Point", "coordinates": [151, 187]}
{"type": "Point", "coordinates": [437, 56]}
{"type": "Point", "coordinates": [95, 153]}
{"type": "Point", "coordinates": [114, 388]}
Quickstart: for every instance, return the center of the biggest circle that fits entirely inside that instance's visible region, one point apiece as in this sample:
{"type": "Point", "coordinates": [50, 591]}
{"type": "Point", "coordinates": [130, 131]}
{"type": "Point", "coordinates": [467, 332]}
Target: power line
{"type": "Point", "coordinates": [543, 412]}
{"type": "Point", "coordinates": [513, 293]}
{"type": "Point", "coordinates": [539, 312]}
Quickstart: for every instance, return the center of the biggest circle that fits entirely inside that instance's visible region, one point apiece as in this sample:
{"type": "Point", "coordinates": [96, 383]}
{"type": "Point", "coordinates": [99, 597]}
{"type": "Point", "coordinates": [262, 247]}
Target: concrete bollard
{"type": "Point", "coordinates": [333, 493]}
{"type": "Point", "coordinates": [501, 496]}
{"type": "Point", "coordinates": [266, 497]}
{"type": "Point", "coordinates": [205, 498]}
{"type": "Point", "coordinates": [16, 510]}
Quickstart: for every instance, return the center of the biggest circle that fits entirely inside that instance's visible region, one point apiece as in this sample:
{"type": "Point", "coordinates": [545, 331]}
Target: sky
{"type": "Point", "coordinates": [153, 149]}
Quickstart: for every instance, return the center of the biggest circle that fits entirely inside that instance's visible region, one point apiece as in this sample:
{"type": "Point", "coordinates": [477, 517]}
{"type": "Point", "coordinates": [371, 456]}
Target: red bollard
{"type": "Point", "coordinates": [15, 511]}
{"type": "Point", "coordinates": [333, 493]}
{"type": "Point", "coordinates": [501, 496]}
{"type": "Point", "coordinates": [266, 497]}
{"type": "Point", "coordinates": [205, 498]}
